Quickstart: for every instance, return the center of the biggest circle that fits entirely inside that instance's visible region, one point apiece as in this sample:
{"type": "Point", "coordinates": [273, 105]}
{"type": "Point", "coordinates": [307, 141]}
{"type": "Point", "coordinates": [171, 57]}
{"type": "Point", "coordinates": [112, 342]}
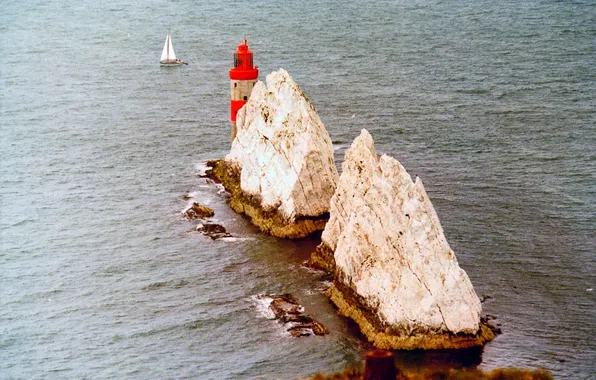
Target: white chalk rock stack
{"type": "Point", "coordinates": [395, 273]}
{"type": "Point", "coordinates": [284, 156]}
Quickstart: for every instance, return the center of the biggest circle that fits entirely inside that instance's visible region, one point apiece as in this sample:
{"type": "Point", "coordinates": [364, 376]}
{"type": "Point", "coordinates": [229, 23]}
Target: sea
{"type": "Point", "coordinates": [491, 103]}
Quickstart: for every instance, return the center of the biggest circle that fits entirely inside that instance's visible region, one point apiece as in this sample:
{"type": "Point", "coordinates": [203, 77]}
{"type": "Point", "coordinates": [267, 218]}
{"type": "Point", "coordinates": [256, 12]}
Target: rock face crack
{"type": "Point", "coordinates": [396, 249]}
{"type": "Point", "coordinates": [339, 206]}
{"type": "Point", "coordinates": [429, 292]}
{"type": "Point", "coordinates": [281, 152]}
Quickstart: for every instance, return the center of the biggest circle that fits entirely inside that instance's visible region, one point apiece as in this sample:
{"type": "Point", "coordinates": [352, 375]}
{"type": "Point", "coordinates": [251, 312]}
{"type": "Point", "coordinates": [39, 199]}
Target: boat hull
{"type": "Point", "coordinates": [176, 63]}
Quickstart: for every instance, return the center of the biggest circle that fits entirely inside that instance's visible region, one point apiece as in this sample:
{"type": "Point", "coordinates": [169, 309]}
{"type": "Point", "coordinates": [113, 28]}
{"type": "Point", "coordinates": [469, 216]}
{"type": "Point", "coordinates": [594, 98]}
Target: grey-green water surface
{"type": "Point", "coordinates": [492, 104]}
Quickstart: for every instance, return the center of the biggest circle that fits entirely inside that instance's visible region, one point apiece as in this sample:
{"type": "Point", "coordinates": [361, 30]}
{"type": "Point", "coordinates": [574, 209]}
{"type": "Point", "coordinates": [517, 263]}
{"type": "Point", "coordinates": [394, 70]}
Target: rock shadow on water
{"type": "Point", "coordinates": [468, 358]}
{"type": "Point", "coordinates": [236, 267]}
{"type": "Point", "coordinates": [176, 284]}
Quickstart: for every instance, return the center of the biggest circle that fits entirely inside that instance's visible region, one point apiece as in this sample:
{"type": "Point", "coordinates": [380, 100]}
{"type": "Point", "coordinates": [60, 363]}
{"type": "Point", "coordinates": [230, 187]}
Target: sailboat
{"type": "Point", "coordinates": [168, 57]}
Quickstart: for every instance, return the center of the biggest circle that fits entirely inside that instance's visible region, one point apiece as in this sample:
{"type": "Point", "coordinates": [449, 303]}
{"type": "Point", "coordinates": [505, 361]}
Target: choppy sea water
{"type": "Point", "coordinates": [492, 104]}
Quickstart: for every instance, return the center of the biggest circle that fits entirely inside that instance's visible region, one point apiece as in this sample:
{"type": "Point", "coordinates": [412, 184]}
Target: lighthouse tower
{"type": "Point", "coordinates": [243, 77]}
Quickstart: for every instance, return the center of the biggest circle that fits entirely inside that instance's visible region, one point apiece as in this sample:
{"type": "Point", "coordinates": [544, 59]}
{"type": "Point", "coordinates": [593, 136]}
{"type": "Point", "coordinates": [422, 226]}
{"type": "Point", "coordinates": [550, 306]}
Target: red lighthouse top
{"type": "Point", "coordinates": [243, 66]}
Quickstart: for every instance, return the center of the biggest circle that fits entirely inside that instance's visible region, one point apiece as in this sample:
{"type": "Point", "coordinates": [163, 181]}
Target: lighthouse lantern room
{"type": "Point", "coordinates": [243, 77]}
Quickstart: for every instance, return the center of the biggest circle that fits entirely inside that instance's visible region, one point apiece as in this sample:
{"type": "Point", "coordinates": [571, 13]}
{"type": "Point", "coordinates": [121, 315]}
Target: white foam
{"type": "Point", "coordinates": [310, 269]}
{"type": "Point", "coordinates": [220, 188]}
{"type": "Point", "coordinates": [188, 206]}
{"type": "Point", "coordinates": [323, 286]}
{"type": "Point", "coordinates": [201, 168]}
{"type": "Point", "coordinates": [231, 239]}
{"type": "Point", "coordinates": [339, 146]}
{"type": "Point", "coordinates": [262, 303]}
{"type": "Point", "coordinates": [289, 325]}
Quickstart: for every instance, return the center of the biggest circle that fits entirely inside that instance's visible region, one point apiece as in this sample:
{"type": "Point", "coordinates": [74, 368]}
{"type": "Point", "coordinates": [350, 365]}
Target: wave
{"type": "Point", "coordinates": [262, 302]}
{"type": "Point", "coordinates": [201, 169]}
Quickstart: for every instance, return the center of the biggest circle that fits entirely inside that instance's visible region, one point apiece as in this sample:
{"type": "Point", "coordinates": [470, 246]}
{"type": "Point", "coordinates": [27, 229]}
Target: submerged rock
{"type": "Point", "coordinates": [280, 170]}
{"type": "Point", "coordinates": [395, 274]}
{"type": "Point", "coordinates": [287, 310]}
{"type": "Point", "coordinates": [196, 210]}
{"type": "Point", "coordinates": [214, 231]}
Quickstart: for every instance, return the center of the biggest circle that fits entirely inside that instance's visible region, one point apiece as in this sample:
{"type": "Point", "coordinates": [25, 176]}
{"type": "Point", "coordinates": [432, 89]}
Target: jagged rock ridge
{"type": "Point", "coordinates": [280, 170]}
{"type": "Point", "coordinates": [395, 273]}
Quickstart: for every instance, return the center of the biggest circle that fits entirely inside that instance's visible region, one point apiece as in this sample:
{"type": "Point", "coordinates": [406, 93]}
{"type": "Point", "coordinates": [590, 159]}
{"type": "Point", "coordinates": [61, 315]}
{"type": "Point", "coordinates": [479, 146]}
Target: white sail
{"type": "Point", "coordinates": [168, 55]}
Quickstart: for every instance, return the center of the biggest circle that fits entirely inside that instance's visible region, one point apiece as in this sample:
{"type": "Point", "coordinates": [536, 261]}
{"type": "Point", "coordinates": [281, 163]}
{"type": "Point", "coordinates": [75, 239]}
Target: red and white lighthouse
{"type": "Point", "coordinates": [243, 77]}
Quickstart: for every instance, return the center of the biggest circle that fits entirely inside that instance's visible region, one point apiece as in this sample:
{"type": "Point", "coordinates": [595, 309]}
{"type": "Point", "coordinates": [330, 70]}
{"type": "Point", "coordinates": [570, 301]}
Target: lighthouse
{"type": "Point", "coordinates": [243, 77]}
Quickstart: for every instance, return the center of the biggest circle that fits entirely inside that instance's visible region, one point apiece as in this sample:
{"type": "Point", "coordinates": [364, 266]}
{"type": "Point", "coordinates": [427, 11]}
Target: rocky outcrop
{"type": "Point", "coordinates": [280, 170]}
{"type": "Point", "coordinates": [195, 210]}
{"type": "Point", "coordinates": [287, 309]}
{"type": "Point", "coordinates": [213, 230]}
{"type": "Point", "coordinates": [395, 274]}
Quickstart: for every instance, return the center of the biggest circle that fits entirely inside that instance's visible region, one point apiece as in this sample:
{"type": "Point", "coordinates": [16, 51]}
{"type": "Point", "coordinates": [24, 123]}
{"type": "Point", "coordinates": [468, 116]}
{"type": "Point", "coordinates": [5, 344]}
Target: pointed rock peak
{"type": "Point", "coordinates": [364, 141]}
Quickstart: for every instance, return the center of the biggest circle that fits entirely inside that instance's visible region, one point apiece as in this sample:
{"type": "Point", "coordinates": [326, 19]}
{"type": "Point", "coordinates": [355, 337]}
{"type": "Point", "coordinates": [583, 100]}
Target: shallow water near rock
{"type": "Point", "coordinates": [101, 276]}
